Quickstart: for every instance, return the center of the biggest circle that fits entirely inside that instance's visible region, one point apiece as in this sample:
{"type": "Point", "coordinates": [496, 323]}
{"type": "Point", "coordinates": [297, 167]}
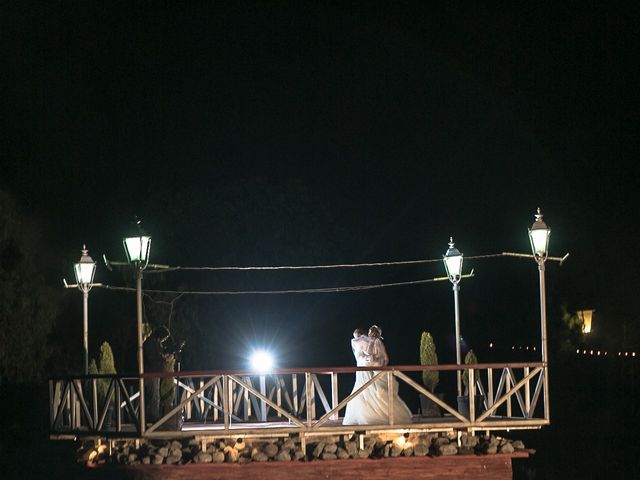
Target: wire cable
{"type": "Point", "coordinates": [315, 267]}
{"type": "Point", "coordinates": [274, 292]}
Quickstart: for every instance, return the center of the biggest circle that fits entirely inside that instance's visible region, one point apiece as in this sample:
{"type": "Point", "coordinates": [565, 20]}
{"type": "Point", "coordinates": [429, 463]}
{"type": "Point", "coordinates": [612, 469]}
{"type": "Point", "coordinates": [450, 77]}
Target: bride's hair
{"type": "Point", "coordinates": [375, 331]}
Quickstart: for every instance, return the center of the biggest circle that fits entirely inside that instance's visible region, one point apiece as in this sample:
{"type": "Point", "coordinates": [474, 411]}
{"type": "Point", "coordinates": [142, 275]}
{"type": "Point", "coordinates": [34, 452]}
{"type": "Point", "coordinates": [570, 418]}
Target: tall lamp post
{"type": "Point", "coordinates": [137, 246]}
{"type": "Point", "coordinates": [539, 235]}
{"type": "Point", "coordinates": [85, 269]}
{"type": "Point", "coordinates": [453, 264]}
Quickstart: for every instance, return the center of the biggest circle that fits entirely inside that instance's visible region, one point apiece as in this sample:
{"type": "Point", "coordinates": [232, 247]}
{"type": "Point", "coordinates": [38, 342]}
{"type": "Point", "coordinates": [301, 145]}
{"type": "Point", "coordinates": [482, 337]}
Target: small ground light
{"type": "Point", "coordinates": [261, 361]}
{"type": "Point", "coordinates": [598, 352]}
{"type": "Point", "coordinates": [491, 345]}
{"type": "Point", "coordinates": [633, 354]}
{"type": "Point", "coordinates": [578, 351]}
{"type": "Point", "coordinates": [626, 354]}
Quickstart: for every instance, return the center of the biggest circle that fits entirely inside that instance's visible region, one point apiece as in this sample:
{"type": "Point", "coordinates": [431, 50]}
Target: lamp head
{"type": "Point", "coordinates": [137, 245]}
{"type": "Point", "coordinates": [453, 262]}
{"type": "Point", "coordinates": [539, 235]}
{"type": "Point", "coordinates": [84, 270]}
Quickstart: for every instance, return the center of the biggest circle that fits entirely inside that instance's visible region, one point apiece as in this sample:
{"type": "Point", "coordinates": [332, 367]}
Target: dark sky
{"type": "Point", "coordinates": [251, 133]}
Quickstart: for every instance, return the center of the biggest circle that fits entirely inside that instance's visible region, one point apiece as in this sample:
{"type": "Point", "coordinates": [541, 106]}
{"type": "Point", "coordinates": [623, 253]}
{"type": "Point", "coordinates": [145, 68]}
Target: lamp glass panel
{"type": "Point", "coordinates": [453, 265]}
{"type": "Point", "coordinates": [137, 248]}
{"type": "Point", "coordinates": [539, 240]}
{"type": "Point", "coordinates": [84, 272]}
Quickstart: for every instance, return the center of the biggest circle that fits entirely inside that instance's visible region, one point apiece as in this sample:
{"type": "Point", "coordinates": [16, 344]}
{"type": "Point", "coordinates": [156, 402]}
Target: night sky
{"type": "Point", "coordinates": [295, 133]}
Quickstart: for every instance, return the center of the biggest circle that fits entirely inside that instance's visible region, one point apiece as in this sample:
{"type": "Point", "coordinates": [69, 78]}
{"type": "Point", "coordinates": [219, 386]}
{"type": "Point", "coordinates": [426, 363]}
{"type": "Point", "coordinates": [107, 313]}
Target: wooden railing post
{"type": "Point", "coordinates": [278, 393]}
{"type": "Point", "coordinates": [309, 398]}
{"type": "Point", "coordinates": [490, 387]}
{"type": "Point", "coordinates": [334, 394]}
{"type": "Point", "coordinates": [472, 396]}
{"type": "Point", "coordinates": [263, 404]}
{"type": "Point", "coordinates": [226, 401]}
{"type": "Point", "coordinates": [216, 401]}
{"type": "Point", "coordinates": [294, 391]}
{"type": "Point", "coordinates": [117, 406]}
{"type": "Point", "coordinates": [390, 396]}
{"type": "Point", "coordinates": [52, 405]}
{"type": "Point", "coordinates": [508, 389]}
{"type": "Point", "coordinates": [527, 394]}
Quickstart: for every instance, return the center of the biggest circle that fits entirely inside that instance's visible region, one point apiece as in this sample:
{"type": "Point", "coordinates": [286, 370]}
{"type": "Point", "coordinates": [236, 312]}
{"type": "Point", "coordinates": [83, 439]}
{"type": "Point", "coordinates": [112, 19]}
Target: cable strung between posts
{"type": "Point", "coordinates": [314, 267]}
{"type": "Point", "coordinates": [315, 290]}
{"type": "Point", "coordinates": [272, 292]}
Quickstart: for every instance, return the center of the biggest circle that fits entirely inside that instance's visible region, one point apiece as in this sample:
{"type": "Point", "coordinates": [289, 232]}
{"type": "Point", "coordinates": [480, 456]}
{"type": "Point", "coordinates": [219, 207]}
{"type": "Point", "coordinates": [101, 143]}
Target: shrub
{"type": "Point", "coordinates": [428, 356]}
{"type": "Point", "coordinates": [469, 359]}
{"type": "Point", "coordinates": [104, 366]}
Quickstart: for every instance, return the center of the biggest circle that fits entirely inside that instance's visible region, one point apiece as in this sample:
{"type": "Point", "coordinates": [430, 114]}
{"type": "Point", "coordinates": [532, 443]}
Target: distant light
{"type": "Point", "coordinates": [262, 361]}
{"type": "Point", "coordinates": [626, 354]}
{"type": "Point", "coordinates": [619, 353]}
{"type": "Point", "coordinates": [513, 347]}
{"type": "Point", "coordinates": [584, 352]}
{"type": "Point", "coordinates": [591, 352]}
{"type": "Point", "coordinates": [578, 351]}
{"type": "Point", "coordinates": [491, 345]}
{"type": "Point", "coordinates": [605, 353]}
{"type": "Point", "coordinates": [585, 317]}
{"type": "Point", "coordinates": [534, 349]}
{"type": "Point", "coordinates": [633, 354]}
{"type": "Point", "coordinates": [598, 352]}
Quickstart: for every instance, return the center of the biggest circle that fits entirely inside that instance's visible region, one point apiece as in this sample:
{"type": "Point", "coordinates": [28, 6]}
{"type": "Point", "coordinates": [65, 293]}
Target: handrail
{"type": "Point", "coordinates": [316, 370]}
{"type": "Point", "coordinates": [232, 403]}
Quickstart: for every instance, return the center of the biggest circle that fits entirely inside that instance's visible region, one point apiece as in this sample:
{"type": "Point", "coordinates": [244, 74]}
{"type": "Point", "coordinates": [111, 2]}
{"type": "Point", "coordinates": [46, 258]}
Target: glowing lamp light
{"type": "Point", "coordinates": [453, 262]}
{"type": "Point", "coordinates": [539, 235]}
{"type": "Point", "coordinates": [137, 246]}
{"type": "Point", "coordinates": [586, 316]}
{"type": "Point", "coordinates": [85, 269]}
{"type": "Point", "coordinates": [261, 361]}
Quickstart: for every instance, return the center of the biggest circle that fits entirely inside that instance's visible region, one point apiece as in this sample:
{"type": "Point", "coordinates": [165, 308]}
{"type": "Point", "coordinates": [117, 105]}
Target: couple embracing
{"type": "Point", "coordinates": [371, 406]}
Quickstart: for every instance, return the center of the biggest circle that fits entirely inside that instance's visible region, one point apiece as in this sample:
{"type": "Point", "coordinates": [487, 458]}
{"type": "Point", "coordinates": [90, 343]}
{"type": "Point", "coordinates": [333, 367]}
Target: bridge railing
{"type": "Point", "coordinates": [305, 401]}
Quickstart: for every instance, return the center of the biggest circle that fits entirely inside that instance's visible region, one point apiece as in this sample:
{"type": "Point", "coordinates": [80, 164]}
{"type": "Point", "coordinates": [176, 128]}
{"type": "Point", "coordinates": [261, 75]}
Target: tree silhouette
{"type": "Point", "coordinates": [28, 307]}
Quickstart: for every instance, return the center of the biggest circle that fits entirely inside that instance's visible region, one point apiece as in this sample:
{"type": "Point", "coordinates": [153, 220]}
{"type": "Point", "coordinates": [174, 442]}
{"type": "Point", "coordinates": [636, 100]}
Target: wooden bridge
{"type": "Point", "coordinates": [285, 402]}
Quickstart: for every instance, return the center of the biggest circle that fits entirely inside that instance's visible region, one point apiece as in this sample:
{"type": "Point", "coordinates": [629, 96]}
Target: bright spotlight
{"type": "Point", "coordinates": [261, 361]}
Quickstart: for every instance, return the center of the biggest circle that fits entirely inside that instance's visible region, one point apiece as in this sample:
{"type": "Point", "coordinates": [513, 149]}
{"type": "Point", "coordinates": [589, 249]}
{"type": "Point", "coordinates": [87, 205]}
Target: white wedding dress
{"type": "Point", "coordinates": [371, 406]}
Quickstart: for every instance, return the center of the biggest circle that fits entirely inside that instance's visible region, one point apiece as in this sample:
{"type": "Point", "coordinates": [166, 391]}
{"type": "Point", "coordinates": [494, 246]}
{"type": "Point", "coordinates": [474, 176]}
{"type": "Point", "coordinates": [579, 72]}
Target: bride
{"type": "Point", "coordinates": [371, 406]}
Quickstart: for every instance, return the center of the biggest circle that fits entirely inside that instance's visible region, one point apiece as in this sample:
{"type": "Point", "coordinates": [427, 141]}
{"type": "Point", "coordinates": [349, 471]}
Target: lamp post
{"type": "Point", "coordinates": [85, 269]}
{"type": "Point", "coordinates": [539, 235]}
{"type": "Point", "coordinates": [453, 264]}
{"type": "Point", "coordinates": [137, 246]}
